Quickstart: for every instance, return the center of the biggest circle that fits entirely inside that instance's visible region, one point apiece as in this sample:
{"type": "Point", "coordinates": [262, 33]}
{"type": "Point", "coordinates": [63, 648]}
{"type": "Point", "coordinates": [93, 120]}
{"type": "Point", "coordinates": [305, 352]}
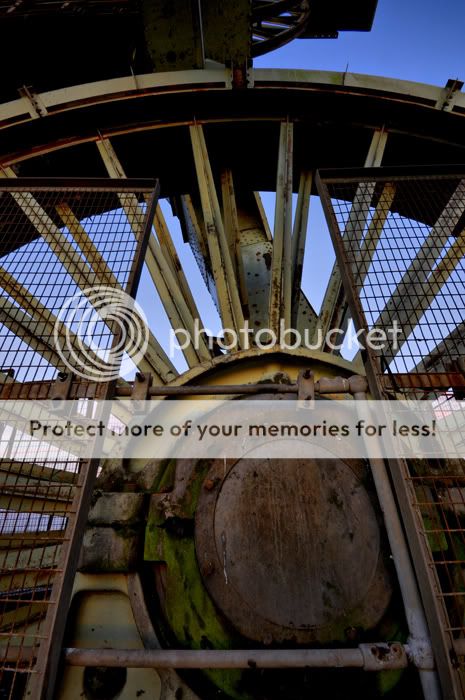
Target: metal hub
{"type": "Point", "coordinates": [290, 549]}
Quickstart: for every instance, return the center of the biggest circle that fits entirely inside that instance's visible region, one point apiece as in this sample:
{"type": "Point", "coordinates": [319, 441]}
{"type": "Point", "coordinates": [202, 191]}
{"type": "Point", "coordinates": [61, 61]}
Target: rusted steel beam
{"type": "Point", "coordinates": [281, 272]}
{"type": "Point", "coordinates": [421, 283]}
{"type": "Point", "coordinates": [375, 229]}
{"type": "Point", "coordinates": [37, 327]}
{"type": "Point", "coordinates": [334, 306]}
{"type": "Point", "coordinates": [86, 245]}
{"type": "Point", "coordinates": [161, 276]}
{"type": "Point", "coordinates": [34, 333]}
{"type": "Point", "coordinates": [220, 389]}
{"type": "Point", "coordinates": [336, 385]}
{"type": "Point", "coordinates": [263, 217]}
{"type": "Point", "coordinates": [299, 237]}
{"type": "Point", "coordinates": [155, 357]}
{"type": "Point", "coordinates": [425, 380]}
{"type": "Point", "coordinates": [169, 251]}
{"type": "Point", "coordinates": [229, 302]}
{"type": "Point", "coordinates": [230, 219]}
{"type": "Point", "coordinates": [452, 346]}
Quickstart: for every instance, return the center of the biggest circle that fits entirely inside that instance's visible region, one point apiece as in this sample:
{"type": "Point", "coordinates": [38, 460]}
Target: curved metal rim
{"type": "Point", "coordinates": [301, 355]}
{"type": "Point", "coordinates": [71, 100]}
{"type": "Point", "coordinates": [270, 12]}
{"type": "Point", "coordinates": [134, 86]}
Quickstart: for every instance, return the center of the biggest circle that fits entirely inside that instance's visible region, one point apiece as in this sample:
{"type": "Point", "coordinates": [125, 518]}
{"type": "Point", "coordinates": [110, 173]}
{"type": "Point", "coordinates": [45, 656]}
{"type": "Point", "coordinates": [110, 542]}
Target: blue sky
{"type": "Point", "coordinates": [410, 40]}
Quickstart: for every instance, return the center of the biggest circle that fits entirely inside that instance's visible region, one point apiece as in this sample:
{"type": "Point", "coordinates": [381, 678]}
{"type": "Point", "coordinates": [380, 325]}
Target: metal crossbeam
{"type": "Point", "coordinates": [422, 281]}
{"type": "Point", "coordinates": [85, 244]}
{"type": "Point", "coordinates": [449, 349]}
{"type": "Point", "coordinates": [375, 229]}
{"type": "Point", "coordinates": [85, 278]}
{"type": "Point", "coordinates": [281, 270]}
{"type": "Point", "coordinates": [425, 289]}
{"type": "Point", "coordinates": [299, 238]}
{"type": "Point", "coordinates": [221, 264]}
{"type": "Point", "coordinates": [334, 308]}
{"type": "Point", "coordinates": [163, 265]}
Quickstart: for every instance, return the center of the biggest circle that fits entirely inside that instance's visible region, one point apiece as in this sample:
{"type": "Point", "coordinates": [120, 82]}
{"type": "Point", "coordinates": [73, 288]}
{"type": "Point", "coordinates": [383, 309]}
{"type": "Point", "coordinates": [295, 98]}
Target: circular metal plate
{"type": "Point", "coordinates": [290, 549]}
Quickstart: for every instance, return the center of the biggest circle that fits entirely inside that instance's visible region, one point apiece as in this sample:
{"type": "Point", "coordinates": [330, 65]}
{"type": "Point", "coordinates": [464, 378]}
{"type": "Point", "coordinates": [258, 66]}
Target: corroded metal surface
{"type": "Point", "coordinates": [290, 550]}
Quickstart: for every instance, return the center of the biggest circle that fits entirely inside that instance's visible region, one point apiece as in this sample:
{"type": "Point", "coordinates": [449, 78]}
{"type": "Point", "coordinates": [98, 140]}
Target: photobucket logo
{"type": "Point", "coordinates": [97, 330]}
{"type": "Point", "coordinates": [287, 338]}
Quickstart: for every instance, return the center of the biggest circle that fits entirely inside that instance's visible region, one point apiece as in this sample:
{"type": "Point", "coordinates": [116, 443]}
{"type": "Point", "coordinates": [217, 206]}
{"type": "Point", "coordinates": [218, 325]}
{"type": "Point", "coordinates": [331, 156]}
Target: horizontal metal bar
{"type": "Point", "coordinates": [425, 380]}
{"type": "Point", "coordinates": [370, 657]}
{"type": "Point", "coordinates": [90, 184]}
{"type": "Point", "coordinates": [223, 389]}
{"type": "Point", "coordinates": [337, 385]}
{"type": "Point", "coordinates": [391, 173]}
{"type": "Point", "coordinates": [18, 654]}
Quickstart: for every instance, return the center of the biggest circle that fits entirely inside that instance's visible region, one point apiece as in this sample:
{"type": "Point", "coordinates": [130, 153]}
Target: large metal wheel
{"type": "Point", "coordinates": [213, 148]}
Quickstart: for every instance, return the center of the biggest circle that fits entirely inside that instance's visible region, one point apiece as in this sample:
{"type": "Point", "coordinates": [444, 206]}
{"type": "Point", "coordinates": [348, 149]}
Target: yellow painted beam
{"type": "Point", "coordinates": [281, 272]}
{"type": "Point", "coordinates": [221, 264]}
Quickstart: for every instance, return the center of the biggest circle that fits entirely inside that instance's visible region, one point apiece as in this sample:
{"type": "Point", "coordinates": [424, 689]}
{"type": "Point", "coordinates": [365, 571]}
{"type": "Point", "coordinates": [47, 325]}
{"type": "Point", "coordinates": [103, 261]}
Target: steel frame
{"type": "Point", "coordinates": [160, 254]}
{"type": "Point", "coordinates": [42, 668]}
{"type": "Point", "coordinates": [436, 614]}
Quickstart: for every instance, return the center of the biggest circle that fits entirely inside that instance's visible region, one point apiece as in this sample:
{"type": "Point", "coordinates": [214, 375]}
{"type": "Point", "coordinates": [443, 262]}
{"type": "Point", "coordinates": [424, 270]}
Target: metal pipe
{"type": "Point", "coordinates": [370, 657]}
{"type": "Point", "coordinates": [337, 385]}
{"type": "Point", "coordinates": [415, 616]}
{"type": "Point", "coordinates": [223, 389]}
{"type": "Point", "coordinates": [404, 491]}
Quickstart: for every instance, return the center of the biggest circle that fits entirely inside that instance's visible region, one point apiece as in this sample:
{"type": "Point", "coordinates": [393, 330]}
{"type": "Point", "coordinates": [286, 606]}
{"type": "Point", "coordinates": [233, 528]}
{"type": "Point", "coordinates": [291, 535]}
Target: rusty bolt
{"type": "Point", "coordinates": [351, 633]}
{"type": "Point", "coordinates": [209, 484]}
{"type": "Point", "coordinates": [208, 568]}
{"type": "Point", "coordinates": [358, 384]}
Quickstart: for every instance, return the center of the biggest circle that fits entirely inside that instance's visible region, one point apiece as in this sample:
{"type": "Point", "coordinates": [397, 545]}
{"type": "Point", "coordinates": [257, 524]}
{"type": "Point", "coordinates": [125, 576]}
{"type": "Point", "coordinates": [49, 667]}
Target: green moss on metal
{"type": "Point", "coordinates": [195, 484]}
{"type": "Point", "coordinates": [164, 480]}
{"type": "Point", "coordinates": [191, 614]}
{"type": "Point", "coordinates": [390, 631]}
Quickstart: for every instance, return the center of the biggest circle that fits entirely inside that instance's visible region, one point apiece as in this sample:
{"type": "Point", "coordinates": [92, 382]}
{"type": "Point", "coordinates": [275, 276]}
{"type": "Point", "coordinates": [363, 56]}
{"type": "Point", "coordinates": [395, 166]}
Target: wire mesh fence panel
{"type": "Point", "coordinates": [70, 260]}
{"type": "Point", "coordinates": [400, 246]}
